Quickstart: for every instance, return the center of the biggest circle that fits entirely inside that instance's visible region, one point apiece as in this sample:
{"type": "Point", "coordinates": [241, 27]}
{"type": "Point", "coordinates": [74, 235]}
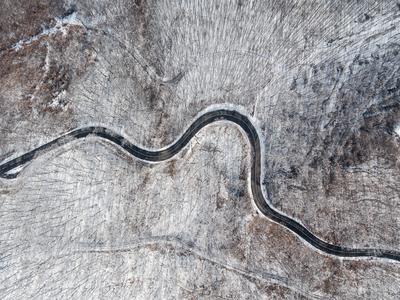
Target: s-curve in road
{"type": "Point", "coordinates": [160, 155]}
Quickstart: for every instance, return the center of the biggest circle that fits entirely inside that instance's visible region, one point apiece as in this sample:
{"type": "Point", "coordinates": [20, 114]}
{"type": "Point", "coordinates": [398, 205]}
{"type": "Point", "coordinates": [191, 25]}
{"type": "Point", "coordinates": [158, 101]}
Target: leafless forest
{"type": "Point", "coordinates": [320, 82]}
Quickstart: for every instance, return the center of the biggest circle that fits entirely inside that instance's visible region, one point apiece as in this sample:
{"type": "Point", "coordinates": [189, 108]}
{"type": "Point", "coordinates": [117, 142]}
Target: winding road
{"type": "Point", "coordinates": [160, 155]}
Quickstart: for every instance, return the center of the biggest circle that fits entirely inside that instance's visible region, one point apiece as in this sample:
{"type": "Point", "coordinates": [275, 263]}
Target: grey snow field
{"type": "Point", "coordinates": [87, 221]}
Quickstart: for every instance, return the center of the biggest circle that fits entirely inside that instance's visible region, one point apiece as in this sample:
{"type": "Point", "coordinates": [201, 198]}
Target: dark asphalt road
{"type": "Point", "coordinates": [161, 155]}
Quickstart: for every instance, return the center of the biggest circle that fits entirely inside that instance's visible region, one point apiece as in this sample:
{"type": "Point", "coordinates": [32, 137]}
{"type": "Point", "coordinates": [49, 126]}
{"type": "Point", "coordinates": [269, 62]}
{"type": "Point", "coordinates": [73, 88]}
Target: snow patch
{"type": "Point", "coordinates": [62, 25]}
{"type": "Point", "coordinates": [397, 129]}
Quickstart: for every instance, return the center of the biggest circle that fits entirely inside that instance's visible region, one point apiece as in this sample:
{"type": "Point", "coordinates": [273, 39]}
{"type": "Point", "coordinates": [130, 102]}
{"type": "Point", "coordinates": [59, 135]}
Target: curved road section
{"type": "Point", "coordinates": [161, 155]}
